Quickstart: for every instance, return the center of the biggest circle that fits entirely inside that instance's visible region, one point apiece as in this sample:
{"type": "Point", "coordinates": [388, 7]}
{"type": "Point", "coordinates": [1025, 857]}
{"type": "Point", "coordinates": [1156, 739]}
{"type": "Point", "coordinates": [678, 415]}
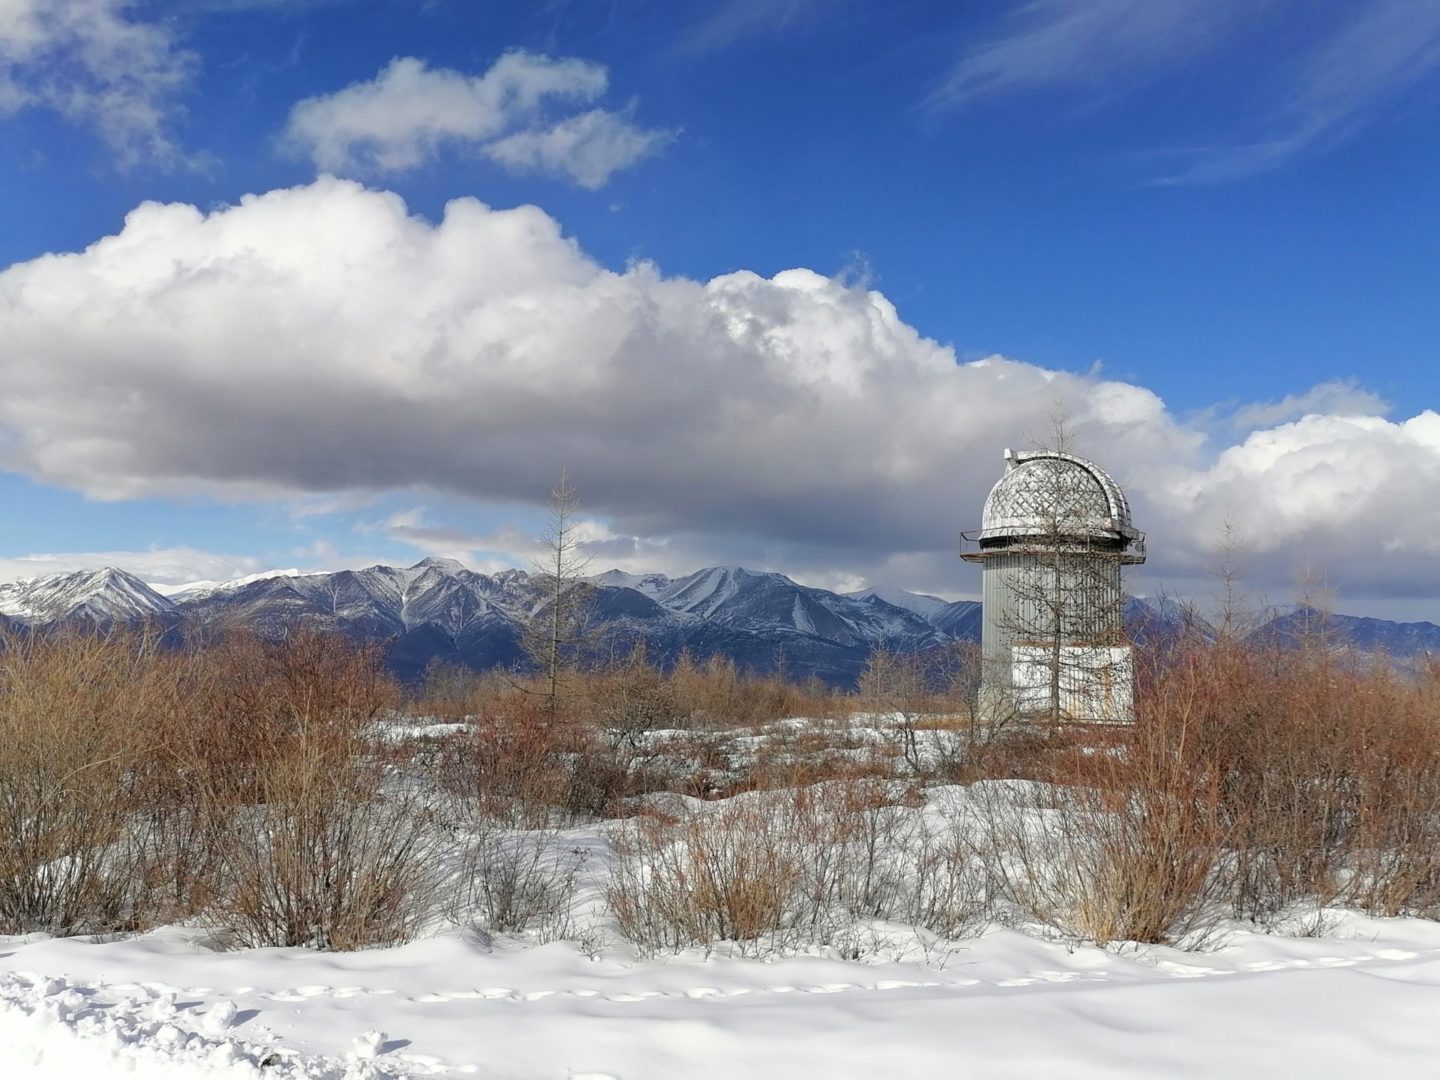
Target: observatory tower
{"type": "Point", "coordinates": [1054, 534]}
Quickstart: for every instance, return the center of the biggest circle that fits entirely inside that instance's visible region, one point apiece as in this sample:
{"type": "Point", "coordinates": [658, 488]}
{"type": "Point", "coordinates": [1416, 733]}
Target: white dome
{"type": "Point", "coordinates": [1045, 493]}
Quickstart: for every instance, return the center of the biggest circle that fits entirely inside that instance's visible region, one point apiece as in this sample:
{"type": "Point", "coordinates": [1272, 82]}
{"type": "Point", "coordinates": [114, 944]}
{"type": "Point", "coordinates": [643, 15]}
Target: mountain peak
{"type": "Point", "coordinates": [442, 564]}
{"type": "Point", "coordinates": [105, 594]}
{"type": "Point", "coordinates": [922, 604]}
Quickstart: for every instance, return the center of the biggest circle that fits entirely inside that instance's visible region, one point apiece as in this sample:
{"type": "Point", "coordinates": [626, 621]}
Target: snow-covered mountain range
{"type": "Point", "coordinates": [440, 610]}
{"type": "Point", "coordinates": [107, 595]}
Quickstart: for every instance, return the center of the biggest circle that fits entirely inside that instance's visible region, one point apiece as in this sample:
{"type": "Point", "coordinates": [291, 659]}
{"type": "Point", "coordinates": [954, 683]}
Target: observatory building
{"type": "Point", "coordinates": [1055, 532]}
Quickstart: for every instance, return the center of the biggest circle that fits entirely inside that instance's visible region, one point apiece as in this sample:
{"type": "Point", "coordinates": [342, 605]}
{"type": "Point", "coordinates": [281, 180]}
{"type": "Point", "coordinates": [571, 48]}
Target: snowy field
{"type": "Point", "coordinates": [953, 978]}
{"type": "Point", "coordinates": [1361, 999]}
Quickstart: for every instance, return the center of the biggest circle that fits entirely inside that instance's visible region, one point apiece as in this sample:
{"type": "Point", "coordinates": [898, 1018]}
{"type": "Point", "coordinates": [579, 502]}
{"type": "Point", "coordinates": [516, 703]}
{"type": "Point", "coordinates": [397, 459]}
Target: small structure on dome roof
{"type": "Point", "coordinates": [1055, 532]}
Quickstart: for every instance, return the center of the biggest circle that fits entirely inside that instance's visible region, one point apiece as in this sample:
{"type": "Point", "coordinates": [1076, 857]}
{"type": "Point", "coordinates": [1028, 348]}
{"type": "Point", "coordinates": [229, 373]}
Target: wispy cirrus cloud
{"type": "Point", "coordinates": [1316, 83]}
{"type": "Point", "coordinates": [410, 113]}
{"type": "Point", "coordinates": [735, 20]}
{"type": "Point", "coordinates": [1381, 50]}
{"type": "Point", "coordinates": [1100, 43]}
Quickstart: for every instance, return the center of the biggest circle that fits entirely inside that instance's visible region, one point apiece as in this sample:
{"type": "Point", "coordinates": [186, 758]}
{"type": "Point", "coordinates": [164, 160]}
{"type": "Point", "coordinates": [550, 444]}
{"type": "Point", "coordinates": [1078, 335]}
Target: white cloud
{"type": "Point", "coordinates": [1094, 42]}
{"type": "Point", "coordinates": [1363, 480]}
{"type": "Point", "coordinates": [322, 342]}
{"type": "Point", "coordinates": [1337, 397]}
{"type": "Point", "coordinates": [588, 148]}
{"type": "Point", "coordinates": [501, 548]}
{"type": "Point", "coordinates": [409, 113]}
{"type": "Point", "coordinates": [96, 64]}
{"type": "Point", "coordinates": [729, 21]}
{"type": "Point", "coordinates": [162, 566]}
{"type": "Point", "coordinates": [1319, 80]}
{"type": "Point", "coordinates": [1380, 50]}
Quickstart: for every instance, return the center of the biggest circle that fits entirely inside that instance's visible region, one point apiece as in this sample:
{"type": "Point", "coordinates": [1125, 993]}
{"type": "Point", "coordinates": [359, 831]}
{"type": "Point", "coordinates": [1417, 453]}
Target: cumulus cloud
{"type": "Point", "coordinates": [321, 341]}
{"type": "Point", "coordinates": [587, 148]}
{"type": "Point", "coordinates": [1322, 478]}
{"type": "Point", "coordinates": [97, 64]}
{"type": "Point", "coordinates": [409, 113]}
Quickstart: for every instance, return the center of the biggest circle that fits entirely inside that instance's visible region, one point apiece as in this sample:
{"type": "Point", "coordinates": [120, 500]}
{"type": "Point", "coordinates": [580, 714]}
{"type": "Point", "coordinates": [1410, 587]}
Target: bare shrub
{"type": "Point", "coordinates": [332, 852]}
{"type": "Point", "coordinates": [717, 694]}
{"type": "Point", "coordinates": [326, 861]}
{"type": "Point", "coordinates": [632, 699]}
{"type": "Point", "coordinates": [68, 711]}
{"type": "Point", "coordinates": [1098, 872]}
{"type": "Point", "coordinates": [1324, 766]}
{"type": "Point", "coordinates": [731, 874]}
{"type": "Point", "coordinates": [516, 764]}
{"type": "Point", "coordinates": [1130, 845]}
{"type": "Point", "coordinates": [777, 871]}
{"type": "Point", "coordinates": [1261, 778]}
{"type": "Point", "coordinates": [895, 687]}
{"type": "Point", "coordinates": [510, 787]}
{"type": "Point", "coordinates": [511, 880]}
{"type": "Point", "coordinates": [453, 692]}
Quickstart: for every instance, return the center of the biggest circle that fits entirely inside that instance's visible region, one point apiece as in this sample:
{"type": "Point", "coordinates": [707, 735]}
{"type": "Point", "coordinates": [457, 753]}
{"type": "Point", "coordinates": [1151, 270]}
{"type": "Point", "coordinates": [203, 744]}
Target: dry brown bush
{"type": "Point", "coordinates": [140, 784]}
{"type": "Point", "coordinates": [780, 870]}
{"type": "Point", "coordinates": [1128, 856]}
{"type": "Point", "coordinates": [72, 730]}
{"type": "Point", "coordinates": [1325, 772]}
{"type": "Point", "coordinates": [1255, 778]}
{"type": "Point", "coordinates": [322, 841]}
{"type": "Point", "coordinates": [1258, 779]}
{"type": "Point", "coordinates": [452, 692]}
{"type": "Point", "coordinates": [717, 694]}
{"type": "Point", "coordinates": [516, 762]}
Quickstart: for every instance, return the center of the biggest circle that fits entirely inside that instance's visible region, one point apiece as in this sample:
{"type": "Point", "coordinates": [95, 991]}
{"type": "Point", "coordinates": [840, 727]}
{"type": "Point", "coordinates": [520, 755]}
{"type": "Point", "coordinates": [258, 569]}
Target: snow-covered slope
{"type": "Point", "coordinates": [735, 596]}
{"type": "Point", "coordinates": [194, 590]}
{"type": "Point", "coordinates": [107, 595]}
{"type": "Point", "coordinates": [922, 604]}
{"type": "Point", "coordinates": [648, 584]}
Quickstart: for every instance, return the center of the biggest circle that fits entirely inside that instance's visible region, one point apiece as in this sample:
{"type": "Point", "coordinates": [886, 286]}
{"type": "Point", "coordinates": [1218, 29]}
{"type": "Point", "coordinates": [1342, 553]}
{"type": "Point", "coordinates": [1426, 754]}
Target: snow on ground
{"type": "Point", "coordinates": [1360, 1001]}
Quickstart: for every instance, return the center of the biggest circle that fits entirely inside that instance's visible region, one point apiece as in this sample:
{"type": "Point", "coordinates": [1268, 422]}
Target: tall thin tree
{"type": "Point", "coordinates": [555, 635]}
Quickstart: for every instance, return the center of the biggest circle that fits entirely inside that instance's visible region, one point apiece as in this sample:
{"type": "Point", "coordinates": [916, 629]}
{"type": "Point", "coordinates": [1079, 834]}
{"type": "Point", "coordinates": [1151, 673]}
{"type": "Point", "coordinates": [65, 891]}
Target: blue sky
{"type": "Point", "coordinates": [1205, 229]}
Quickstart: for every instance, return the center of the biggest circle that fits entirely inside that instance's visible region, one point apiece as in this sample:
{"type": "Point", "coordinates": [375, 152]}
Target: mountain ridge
{"type": "Point", "coordinates": [439, 610]}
